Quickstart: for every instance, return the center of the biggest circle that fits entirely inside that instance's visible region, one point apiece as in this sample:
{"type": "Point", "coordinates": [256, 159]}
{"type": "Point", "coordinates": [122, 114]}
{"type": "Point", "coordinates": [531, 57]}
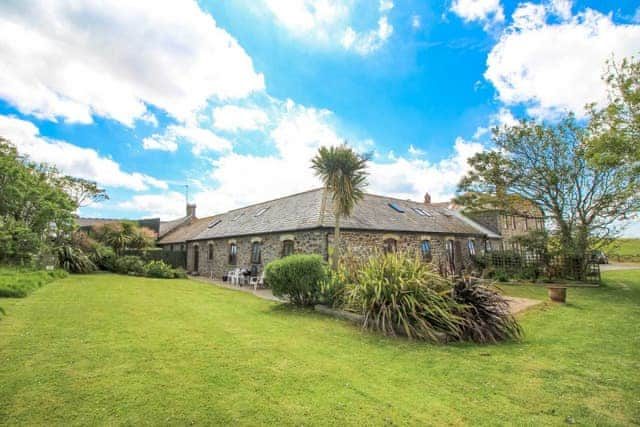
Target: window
{"type": "Point", "coordinates": [526, 223]}
{"type": "Point", "coordinates": [506, 222]}
{"type": "Point", "coordinates": [425, 248]}
{"type": "Point", "coordinates": [487, 246]}
{"type": "Point", "coordinates": [422, 212]}
{"type": "Point", "coordinates": [255, 252]}
{"type": "Point", "coordinates": [182, 247]}
{"type": "Point", "coordinates": [396, 207]}
{"type": "Point", "coordinates": [513, 221]}
{"type": "Point", "coordinates": [261, 211]}
{"type": "Point", "coordinates": [237, 217]}
{"type": "Point", "coordinates": [287, 248]}
{"type": "Point", "coordinates": [471, 244]}
{"type": "Point", "coordinates": [210, 251]}
{"type": "Point", "coordinates": [389, 246]}
{"type": "Point", "coordinates": [233, 252]}
{"type": "Point", "coordinates": [214, 223]}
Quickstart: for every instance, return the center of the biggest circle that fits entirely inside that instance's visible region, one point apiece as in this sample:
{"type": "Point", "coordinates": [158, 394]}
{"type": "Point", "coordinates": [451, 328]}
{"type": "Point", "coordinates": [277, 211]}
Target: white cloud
{"type": "Point", "coordinates": [306, 18]}
{"type": "Point", "coordinates": [561, 8]}
{"type": "Point", "coordinates": [242, 179]}
{"type": "Point", "coordinates": [73, 60]}
{"type": "Point", "coordinates": [166, 206]}
{"type": "Point", "coordinates": [233, 118]}
{"type": "Point", "coordinates": [160, 143]}
{"type": "Point", "coordinates": [503, 117]}
{"type": "Point", "coordinates": [413, 151]}
{"type": "Point", "coordinates": [416, 22]}
{"type": "Point", "coordinates": [488, 12]}
{"type": "Point", "coordinates": [557, 67]}
{"type": "Point", "coordinates": [369, 41]}
{"type": "Point", "coordinates": [411, 178]}
{"type": "Point", "coordinates": [385, 5]}
{"type": "Point", "coordinates": [327, 23]}
{"type": "Point", "coordinates": [201, 140]}
{"type": "Point", "coordinates": [71, 159]}
{"type": "Point", "coordinates": [529, 16]}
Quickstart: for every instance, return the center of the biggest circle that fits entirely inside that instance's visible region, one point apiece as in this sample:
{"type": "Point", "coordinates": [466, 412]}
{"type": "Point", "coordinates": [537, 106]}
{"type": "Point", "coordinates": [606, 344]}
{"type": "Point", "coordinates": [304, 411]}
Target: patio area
{"type": "Point", "coordinates": [516, 305]}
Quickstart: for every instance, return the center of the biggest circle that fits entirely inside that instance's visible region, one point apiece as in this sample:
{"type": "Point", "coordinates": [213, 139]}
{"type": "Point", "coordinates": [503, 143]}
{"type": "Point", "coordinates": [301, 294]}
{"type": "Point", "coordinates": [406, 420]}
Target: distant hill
{"type": "Point", "coordinates": [624, 250]}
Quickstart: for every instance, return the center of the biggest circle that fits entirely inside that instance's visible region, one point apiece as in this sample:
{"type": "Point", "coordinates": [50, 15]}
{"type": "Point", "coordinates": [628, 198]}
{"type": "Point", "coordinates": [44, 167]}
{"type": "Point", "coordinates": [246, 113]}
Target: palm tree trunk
{"type": "Point", "coordinates": [336, 244]}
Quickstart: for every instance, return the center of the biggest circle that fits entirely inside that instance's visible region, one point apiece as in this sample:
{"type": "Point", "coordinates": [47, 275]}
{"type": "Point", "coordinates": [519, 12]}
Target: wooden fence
{"type": "Point", "coordinates": [177, 259]}
{"type": "Point", "coordinates": [532, 265]}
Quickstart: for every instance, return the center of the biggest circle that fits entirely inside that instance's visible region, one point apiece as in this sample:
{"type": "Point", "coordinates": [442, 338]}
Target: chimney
{"type": "Point", "coordinates": [191, 210]}
{"type": "Point", "coordinates": [427, 198]}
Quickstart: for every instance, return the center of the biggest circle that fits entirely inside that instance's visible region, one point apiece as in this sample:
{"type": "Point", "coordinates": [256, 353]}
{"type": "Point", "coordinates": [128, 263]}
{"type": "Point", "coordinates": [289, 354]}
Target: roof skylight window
{"type": "Point", "coordinates": [261, 211]}
{"type": "Point", "coordinates": [214, 223]}
{"type": "Point", "coordinates": [396, 207]}
{"type": "Point", "coordinates": [237, 217]}
{"type": "Point", "coordinates": [422, 212]}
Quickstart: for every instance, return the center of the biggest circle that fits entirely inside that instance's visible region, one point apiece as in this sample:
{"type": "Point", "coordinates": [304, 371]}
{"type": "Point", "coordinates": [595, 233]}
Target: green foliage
{"type": "Point", "coordinates": [343, 172]}
{"type": "Point", "coordinates": [399, 294]}
{"type": "Point", "coordinates": [297, 277]}
{"type": "Point", "coordinates": [485, 313]}
{"type": "Point", "coordinates": [73, 260]}
{"type": "Point", "coordinates": [160, 270]}
{"type": "Point", "coordinates": [122, 235]}
{"type": "Point", "coordinates": [129, 264]}
{"type": "Point", "coordinates": [18, 283]}
{"type": "Point", "coordinates": [34, 209]}
{"type": "Point", "coordinates": [546, 164]}
{"type": "Point", "coordinates": [615, 128]}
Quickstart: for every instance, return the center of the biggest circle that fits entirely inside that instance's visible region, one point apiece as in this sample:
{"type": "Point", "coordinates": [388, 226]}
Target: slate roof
{"type": "Point", "coordinates": [311, 210]}
{"type": "Point", "coordinates": [168, 226]}
{"type": "Point", "coordinates": [186, 232]}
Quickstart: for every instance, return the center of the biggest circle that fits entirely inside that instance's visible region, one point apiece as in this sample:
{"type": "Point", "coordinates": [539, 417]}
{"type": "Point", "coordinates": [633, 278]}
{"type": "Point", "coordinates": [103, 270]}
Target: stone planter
{"type": "Point", "coordinates": [557, 293]}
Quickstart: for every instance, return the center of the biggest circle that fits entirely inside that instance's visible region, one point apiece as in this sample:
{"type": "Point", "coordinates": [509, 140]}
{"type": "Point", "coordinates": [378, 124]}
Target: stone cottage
{"type": "Point", "coordinates": [252, 236]}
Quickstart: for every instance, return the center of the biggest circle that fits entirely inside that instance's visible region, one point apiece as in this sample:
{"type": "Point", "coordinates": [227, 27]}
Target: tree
{"type": "Point", "coordinates": [547, 164]}
{"type": "Point", "coordinates": [82, 191]}
{"type": "Point", "coordinates": [34, 210]}
{"type": "Point", "coordinates": [615, 129]}
{"type": "Point", "coordinates": [123, 235]}
{"type": "Point", "coordinates": [343, 172]}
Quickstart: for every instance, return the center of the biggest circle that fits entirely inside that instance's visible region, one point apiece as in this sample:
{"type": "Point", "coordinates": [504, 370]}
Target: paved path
{"type": "Point", "coordinates": [260, 293]}
{"type": "Point", "coordinates": [516, 305]}
{"type": "Point", "coordinates": [619, 266]}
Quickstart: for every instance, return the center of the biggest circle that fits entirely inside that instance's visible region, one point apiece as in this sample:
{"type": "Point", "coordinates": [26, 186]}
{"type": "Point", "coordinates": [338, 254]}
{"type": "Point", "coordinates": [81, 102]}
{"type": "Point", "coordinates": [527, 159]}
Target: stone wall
{"type": "Point", "coordinates": [358, 243]}
{"type": "Point", "coordinates": [367, 243]}
{"type": "Point", "coordinates": [305, 242]}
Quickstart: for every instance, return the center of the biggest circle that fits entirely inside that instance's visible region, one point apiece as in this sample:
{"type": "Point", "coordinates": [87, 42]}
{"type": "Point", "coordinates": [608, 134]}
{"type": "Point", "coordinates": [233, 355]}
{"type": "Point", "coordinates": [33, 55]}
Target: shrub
{"type": "Point", "coordinates": [401, 294]}
{"type": "Point", "coordinates": [485, 313]}
{"type": "Point", "coordinates": [74, 260]}
{"type": "Point", "coordinates": [102, 256]}
{"type": "Point", "coordinates": [160, 270]}
{"type": "Point", "coordinates": [129, 265]}
{"type": "Point", "coordinates": [18, 283]}
{"type": "Point", "coordinates": [297, 277]}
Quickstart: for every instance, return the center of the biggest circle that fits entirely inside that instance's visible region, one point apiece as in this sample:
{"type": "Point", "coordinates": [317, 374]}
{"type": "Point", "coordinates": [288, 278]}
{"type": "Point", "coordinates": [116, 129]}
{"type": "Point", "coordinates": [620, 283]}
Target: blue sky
{"type": "Point", "coordinates": [234, 98]}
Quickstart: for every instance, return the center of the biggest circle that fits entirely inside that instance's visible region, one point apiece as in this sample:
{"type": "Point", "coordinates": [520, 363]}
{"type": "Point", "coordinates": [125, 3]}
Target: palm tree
{"type": "Point", "coordinates": [343, 172]}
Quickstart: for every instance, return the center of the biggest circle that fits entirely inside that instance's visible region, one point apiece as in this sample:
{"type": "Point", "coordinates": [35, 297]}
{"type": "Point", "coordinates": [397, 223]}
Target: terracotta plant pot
{"type": "Point", "coordinates": [557, 293]}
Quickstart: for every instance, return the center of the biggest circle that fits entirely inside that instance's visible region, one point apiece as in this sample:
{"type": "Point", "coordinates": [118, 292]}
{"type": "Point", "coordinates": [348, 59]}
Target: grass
{"type": "Point", "coordinates": [108, 349]}
{"type": "Point", "coordinates": [20, 282]}
{"type": "Point", "coordinates": [624, 247]}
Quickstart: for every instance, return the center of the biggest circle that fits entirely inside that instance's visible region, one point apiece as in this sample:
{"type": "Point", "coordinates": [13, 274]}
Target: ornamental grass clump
{"type": "Point", "coordinates": [399, 294]}
{"type": "Point", "coordinates": [485, 312]}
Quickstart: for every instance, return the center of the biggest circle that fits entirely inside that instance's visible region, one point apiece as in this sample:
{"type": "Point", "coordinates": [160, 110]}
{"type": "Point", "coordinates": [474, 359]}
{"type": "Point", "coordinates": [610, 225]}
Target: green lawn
{"type": "Point", "coordinates": [624, 247]}
{"type": "Point", "coordinates": [107, 349]}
